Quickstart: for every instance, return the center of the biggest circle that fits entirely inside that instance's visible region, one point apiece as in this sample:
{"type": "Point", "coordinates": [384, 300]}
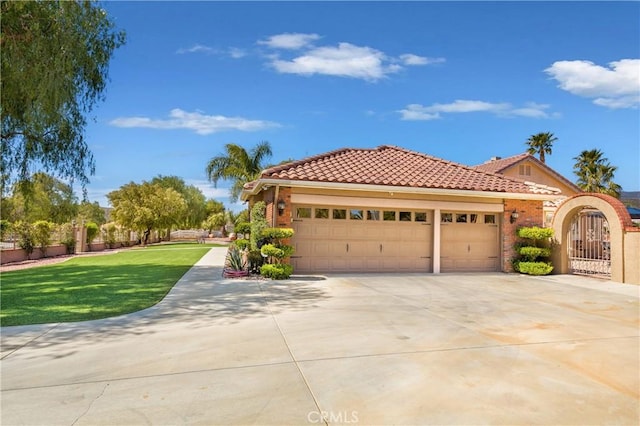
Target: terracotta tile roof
{"type": "Point", "coordinates": [394, 166]}
{"type": "Point", "coordinates": [499, 166]}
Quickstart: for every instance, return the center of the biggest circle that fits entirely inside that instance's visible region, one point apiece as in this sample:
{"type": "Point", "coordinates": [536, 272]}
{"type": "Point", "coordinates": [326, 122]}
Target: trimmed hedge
{"type": "Point", "coordinates": [535, 268]}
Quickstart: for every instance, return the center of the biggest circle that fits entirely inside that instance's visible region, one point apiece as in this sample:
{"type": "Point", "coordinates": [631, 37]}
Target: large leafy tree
{"type": "Point", "coordinates": [595, 173]}
{"type": "Point", "coordinates": [196, 202]}
{"type": "Point", "coordinates": [41, 197]}
{"type": "Point", "coordinates": [145, 207]}
{"type": "Point", "coordinates": [55, 57]}
{"type": "Point", "coordinates": [238, 166]}
{"type": "Point", "coordinates": [541, 144]}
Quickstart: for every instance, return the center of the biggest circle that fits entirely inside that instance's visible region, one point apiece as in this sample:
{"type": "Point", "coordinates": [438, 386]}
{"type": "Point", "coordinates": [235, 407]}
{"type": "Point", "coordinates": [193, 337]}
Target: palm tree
{"type": "Point", "coordinates": [541, 143]}
{"type": "Point", "coordinates": [595, 174]}
{"type": "Point", "coordinates": [238, 166]}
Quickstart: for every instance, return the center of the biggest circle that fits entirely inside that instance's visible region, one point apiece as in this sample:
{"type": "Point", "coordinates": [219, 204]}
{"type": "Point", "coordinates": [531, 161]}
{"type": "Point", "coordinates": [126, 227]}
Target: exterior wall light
{"type": "Point", "coordinates": [281, 206]}
{"type": "Point", "coordinates": [514, 216]}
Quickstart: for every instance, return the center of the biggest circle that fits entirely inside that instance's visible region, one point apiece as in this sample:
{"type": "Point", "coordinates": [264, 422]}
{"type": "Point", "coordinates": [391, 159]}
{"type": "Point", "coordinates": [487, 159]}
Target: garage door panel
{"type": "Point", "coordinates": [361, 245]}
{"type": "Point", "coordinates": [467, 247]}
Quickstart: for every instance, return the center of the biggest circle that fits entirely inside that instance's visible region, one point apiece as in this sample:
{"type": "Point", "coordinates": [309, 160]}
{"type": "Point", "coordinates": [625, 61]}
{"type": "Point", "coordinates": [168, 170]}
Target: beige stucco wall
{"type": "Point", "coordinates": [632, 257]}
{"type": "Point", "coordinates": [539, 175]}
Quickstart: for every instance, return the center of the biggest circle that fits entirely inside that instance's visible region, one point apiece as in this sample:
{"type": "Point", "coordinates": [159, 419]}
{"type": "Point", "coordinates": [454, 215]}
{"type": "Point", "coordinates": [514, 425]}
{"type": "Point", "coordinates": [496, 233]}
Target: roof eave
{"type": "Point", "coordinates": [266, 182]}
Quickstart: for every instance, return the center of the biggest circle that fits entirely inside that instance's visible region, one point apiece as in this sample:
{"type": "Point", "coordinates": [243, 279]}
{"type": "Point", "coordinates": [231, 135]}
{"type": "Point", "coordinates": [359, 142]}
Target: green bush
{"type": "Point", "coordinates": [535, 268]}
{"type": "Point", "coordinates": [25, 236]}
{"type": "Point", "coordinates": [242, 228]}
{"type": "Point", "coordinates": [5, 226]}
{"type": "Point", "coordinates": [258, 223]}
{"type": "Point", "coordinates": [92, 231]}
{"type": "Point", "coordinates": [255, 261]}
{"type": "Point", "coordinates": [109, 234]}
{"type": "Point", "coordinates": [535, 233]}
{"type": "Point", "coordinates": [530, 254]}
{"type": "Point", "coordinates": [242, 243]}
{"type": "Point", "coordinates": [42, 234]}
{"type": "Point", "coordinates": [276, 272]}
{"type": "Point", "coordinates": [277, 233]}
{"type": "Point", "coordinates": [269, 250]}
{"type": "Point", "coordinates": [67, 238]}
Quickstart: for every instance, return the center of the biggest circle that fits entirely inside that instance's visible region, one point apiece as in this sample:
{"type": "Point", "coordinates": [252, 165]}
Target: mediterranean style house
{"type": "Point", "coordinates": [389, 209]}
{"type": "Point", "coordinates": [529, 168]}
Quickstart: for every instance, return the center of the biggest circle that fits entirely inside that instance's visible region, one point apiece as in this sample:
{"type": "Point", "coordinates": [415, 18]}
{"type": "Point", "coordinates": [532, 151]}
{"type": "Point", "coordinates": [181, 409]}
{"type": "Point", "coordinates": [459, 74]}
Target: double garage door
{"type": "Point", "coordinates": [355, 239]}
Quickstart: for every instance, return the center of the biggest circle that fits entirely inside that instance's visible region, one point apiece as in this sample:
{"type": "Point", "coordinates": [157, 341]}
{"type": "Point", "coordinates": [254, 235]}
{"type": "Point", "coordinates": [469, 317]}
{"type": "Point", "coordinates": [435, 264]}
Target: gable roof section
{"type": "Point", "coordinates": [499, 166]}
{"type": "Point", "coordinates": [396, 167]}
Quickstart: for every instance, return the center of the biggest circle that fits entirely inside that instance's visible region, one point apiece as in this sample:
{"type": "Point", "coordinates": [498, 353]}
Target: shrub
{"type": "Point", "coordinates": [42, 234]}
{"type": "Point", "coordinates": [255, 261]}
{"type": "Point", "coordinates": [109, 232]}
{"type": "Point", "coordinates": [5, 226]}
{"type": "Point", "coordinates": [242, 228]}
{"type": "Point", "coordinates": [276, 272]}
{"type": "Point", "coordinates": [67, 238]}
{"type": "Point", "coordinates": [530, 254]}
{"type": "Point", "coordinates": [535, 268]}
{"type": "Point", "coordinates": [242, 243]}
{"type": "Point", "coordinates": [535, 233]}
{"type": "Point", "coordinates": [25, 236]}
{"type": "Point", "coordinates": [92, 231]}
{"type": "Point", "coordinates": [277, 234]}
{"type": "Point", "coordinates": [258, 223]}
{"type": "Point", "coordinates": [533, 251]}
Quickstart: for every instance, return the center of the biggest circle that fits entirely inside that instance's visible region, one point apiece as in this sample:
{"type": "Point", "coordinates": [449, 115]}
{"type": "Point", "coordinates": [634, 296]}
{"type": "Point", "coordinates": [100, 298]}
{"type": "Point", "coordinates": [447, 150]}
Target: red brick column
{"type": "Point", "coordinates": [529, 214]}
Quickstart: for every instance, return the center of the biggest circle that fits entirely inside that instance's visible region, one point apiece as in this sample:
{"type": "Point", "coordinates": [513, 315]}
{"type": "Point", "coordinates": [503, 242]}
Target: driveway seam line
{"type": "Point", "coordinates": [295, 361]}
{"type": "Point", "coordinates": [31, 341]}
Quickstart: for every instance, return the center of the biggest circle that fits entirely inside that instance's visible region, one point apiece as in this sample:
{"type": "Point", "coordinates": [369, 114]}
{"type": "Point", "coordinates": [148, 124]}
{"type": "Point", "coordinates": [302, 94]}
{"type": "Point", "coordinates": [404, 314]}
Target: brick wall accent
{"type": "Point", "coordinates": [529, 214]}
{"type": "Point", "coordinates": [284, 220]}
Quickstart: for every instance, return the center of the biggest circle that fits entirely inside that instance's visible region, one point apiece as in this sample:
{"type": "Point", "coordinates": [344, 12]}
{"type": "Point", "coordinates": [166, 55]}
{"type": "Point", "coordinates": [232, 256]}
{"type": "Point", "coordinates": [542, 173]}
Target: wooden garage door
{"type": "Point", "coordinates": [469, 242]}
{"type": "Point", "coordinates": [346, 239]}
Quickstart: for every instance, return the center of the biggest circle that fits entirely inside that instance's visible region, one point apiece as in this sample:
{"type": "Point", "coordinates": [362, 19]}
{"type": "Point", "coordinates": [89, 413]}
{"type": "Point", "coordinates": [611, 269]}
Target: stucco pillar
{"type": "Point", "coordinates": [436, 241]}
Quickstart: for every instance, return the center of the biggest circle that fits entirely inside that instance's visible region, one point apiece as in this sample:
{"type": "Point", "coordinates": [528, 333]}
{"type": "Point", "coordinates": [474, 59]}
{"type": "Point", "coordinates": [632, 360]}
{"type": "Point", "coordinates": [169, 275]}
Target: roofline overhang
{"type": "Point", "coordinates": [267, 183]}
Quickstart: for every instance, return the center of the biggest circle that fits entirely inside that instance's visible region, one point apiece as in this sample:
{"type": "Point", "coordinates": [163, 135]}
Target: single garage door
{"type": "Point", "coordinates": [348, 239]}
{"type": "Point", "coordinates": [469, 242]}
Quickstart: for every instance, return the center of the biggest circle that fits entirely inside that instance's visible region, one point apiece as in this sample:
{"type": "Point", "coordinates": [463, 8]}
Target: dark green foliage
{"type": "Point", "coordinates": [55, 57]}
{"type": "Point", "coordinates": [255, 261]}
{"type": "Point", "coordinates": [258, 223]}
{"type": "Point", "coordinates": [5, 226]}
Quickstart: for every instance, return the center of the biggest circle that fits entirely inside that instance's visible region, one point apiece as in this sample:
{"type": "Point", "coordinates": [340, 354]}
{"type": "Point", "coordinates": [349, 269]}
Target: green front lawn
{"type": "Point", "coordinates": [94, 287]}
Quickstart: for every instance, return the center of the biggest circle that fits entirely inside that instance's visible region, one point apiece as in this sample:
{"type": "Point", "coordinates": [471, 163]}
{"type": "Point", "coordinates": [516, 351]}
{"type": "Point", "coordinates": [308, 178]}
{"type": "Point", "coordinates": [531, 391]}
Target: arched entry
{"type": "Point", "coordinates": [582, 225]}
{"type": "Point", "coordinates": [589, 244]}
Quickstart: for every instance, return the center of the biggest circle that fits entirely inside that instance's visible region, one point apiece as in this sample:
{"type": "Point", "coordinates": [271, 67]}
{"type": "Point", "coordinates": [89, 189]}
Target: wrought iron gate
{"type": "Point", "coordinates": [590, 244]}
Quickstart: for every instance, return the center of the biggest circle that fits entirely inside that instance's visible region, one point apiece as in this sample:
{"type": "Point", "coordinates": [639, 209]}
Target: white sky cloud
{"type": "Point", "coordinates": [289, 40]}
{"type": "Point", "coordinates": [198, 122]}
{"type": "Point", "coordinates": [617, 86]}
{"type": "Point", "coordinates": [418, 112]}
{"type": "Point", "coordinates": [411, 59]}
{"type": "Point", "coordinates": [341, 60]}
{"type": "Point", "coordinates": [197, 48]}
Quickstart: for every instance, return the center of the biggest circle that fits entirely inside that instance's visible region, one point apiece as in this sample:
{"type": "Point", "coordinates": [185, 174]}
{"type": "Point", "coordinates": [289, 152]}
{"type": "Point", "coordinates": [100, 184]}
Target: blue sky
{"type": "Point", "coordinates": [463, 81]}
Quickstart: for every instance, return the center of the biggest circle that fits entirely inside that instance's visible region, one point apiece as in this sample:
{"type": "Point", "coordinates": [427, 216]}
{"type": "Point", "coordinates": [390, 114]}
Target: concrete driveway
{"type": "Point", "coordinates": [356, 349]}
